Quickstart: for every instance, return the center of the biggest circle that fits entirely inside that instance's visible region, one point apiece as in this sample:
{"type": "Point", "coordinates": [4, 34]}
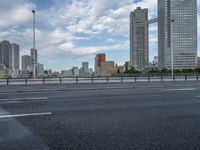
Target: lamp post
{"type": "Point", "coordinates": [172, 52]}
{"type": "Point", "coordinates": [34, 67]}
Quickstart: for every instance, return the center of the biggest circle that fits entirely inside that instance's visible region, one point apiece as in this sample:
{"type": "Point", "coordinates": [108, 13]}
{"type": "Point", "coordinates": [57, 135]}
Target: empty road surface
{"type": "Point", "coordinates": [135, 116]}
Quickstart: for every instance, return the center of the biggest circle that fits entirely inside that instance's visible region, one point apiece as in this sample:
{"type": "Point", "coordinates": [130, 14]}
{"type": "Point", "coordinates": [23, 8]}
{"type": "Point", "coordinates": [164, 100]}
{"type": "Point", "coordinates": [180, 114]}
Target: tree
{"type": "Point", "coordinates": [132, 70]}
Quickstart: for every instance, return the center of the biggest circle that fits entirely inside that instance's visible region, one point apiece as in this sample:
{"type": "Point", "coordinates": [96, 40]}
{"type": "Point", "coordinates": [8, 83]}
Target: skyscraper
{"type": "Point", "coordinates": [177, 32]}
{"type": "Point", "coordinates": [99, 59]}
{"type": "Point", "coordinates": [34, 57]}
{"type": "Point", "coordinates": [15, 58]}
{"type": "Point", "coordinates": [5, 53]}
{"type": "Point", "coordinates": [139, 41]}
{"type": "Point", "coordinates": [85, 67]}
{"type": "Point", "coordinates": [26, 62]}
{"type": "Point", "coordinates": [9, 55]}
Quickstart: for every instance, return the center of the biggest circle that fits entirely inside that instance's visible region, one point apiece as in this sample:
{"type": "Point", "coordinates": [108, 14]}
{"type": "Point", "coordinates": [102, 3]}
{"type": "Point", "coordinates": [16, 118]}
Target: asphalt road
{"type": "Point", "coordinates": [136, 116]}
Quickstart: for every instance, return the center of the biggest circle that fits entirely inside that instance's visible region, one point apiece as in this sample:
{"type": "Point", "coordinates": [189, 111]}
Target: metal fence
{"type": "Point", "coordinates": [79, 80]}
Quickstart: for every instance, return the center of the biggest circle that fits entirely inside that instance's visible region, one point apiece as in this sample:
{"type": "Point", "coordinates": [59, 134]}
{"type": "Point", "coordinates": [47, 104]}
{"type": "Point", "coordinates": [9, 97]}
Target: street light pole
{"type": "Point", "coordinates": [172, 52]}
{"type": "Point", "coordinates": [34, 69]}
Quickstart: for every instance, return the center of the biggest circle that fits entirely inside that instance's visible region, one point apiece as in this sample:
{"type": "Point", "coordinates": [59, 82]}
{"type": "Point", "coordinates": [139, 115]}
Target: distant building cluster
{"type": "Point", "coordinates": [84, 71]}
{"type": "Point", "coordinates": [108, 68]}
{"type": "Point", "coordinates": [103, 67]}
{"type": "Point", "coordinates": [10, 62]}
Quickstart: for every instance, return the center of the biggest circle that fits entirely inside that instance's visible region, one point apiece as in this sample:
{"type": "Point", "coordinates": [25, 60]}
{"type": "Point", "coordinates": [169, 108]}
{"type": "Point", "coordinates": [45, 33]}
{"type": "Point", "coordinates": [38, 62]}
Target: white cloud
{"type": "Point", "coordinates": [14, 13]}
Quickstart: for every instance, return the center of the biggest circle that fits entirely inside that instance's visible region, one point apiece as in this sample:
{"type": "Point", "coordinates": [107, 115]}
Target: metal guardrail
{"type": "Point", "coordinates": [76, 80]}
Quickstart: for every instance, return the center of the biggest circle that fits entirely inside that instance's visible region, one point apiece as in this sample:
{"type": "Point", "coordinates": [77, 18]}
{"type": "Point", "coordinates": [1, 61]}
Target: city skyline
{"type": "Point", "coordinates": [68, 37]}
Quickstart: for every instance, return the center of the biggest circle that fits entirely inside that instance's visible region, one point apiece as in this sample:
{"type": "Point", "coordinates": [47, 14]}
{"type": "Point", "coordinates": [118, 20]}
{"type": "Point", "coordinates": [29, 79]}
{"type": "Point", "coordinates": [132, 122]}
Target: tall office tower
{"type": "Point", "coordinates": [139, 38]}
{"type": "Point", "coordinates": [34, 57]}
{"type": "Point", "coordinates": [85, 67]}
{"type": "Point", "coordinates": [14, 55]}
{"type": "Point", "coordinates": [99, 59]}
{"type": "Point", "coordinates": [26, 62]}
{"type": "Point", "coordinates": [177, 32]}
{"type": "Point", "coordinates": [5, 53]}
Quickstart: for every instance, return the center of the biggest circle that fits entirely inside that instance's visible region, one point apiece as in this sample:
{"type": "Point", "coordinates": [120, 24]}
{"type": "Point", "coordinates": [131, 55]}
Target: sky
{"type": "Point", "coordinates": [69, 32]}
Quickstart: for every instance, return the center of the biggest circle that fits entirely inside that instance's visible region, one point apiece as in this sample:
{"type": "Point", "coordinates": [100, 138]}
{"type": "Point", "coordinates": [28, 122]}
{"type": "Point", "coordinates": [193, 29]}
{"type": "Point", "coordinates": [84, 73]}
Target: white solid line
{"type": "Point", "coordinates": [25, 115]}
{"type": "Point", "coordinates": [31, 98]}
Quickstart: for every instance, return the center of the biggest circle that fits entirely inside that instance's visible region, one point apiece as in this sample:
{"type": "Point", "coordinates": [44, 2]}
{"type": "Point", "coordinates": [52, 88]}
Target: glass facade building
{"type": "Point", "coordinates": [177, 31]}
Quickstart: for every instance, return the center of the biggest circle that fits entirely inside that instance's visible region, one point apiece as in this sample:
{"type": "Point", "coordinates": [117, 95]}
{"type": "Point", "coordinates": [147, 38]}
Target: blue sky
{"type": "Point", "coordinates": [72, 31]}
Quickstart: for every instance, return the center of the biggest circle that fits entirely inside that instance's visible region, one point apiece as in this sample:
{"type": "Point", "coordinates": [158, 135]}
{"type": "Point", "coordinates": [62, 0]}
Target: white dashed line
{"type": "Point", "coordinates": [25, 115]}
{"type": "Point", "coordinates": [30, 98]}
{"type": "Point", "coordinates": [182, 89]}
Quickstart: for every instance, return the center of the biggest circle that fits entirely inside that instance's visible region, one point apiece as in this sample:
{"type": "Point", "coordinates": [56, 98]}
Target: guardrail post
{"type": "Point", "coordinates": [185, 77]}
{"type": "Point", "coordinates": [174, 78]}
{"type": "Point", "coordinates": [92, 79]}
{"type": "Point", "coordinates": [25, 81]}
{"type": "Point", "coordinates": [149, 78]}
{"type": "Point", "coordinates": [135, 79]}
{"type": "Point", "coordinates": [107, 79]}
{"type": "Point", "coordinates": [43, 79]}
{"type": "Point", "coordinates": [76, 80]}
{"type": "Point", "coordinates": [7, 80]}
{"type": "Point", "coordinates": [161, 78]}
{"type": "Point", "coordinates": [121, 79]}
{"type": "Point", "coordinates": [197, 78]}
{"type": "Point", "coordinates": [60, 80]}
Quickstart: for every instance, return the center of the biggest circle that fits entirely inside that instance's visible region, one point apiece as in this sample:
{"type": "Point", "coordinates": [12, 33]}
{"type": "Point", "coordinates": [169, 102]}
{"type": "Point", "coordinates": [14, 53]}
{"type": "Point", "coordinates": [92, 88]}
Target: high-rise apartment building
{"type": "Point", "coordinates": [139, 41]}
{"type": "Point", "coordinates": [26, 62]}
{"type": "Point", "coordinates": [177, 32]}
{"type": "Point", "coordinates": [5, 53]}
{"type": "Point", "coordinates": [33, 57]}
{"type": "Point", "coordinates": [85, 67]}
{"type": "Point", "coordinates": [15, 56]}
{"type": "Point", "coordinates": [99, 59]}
{"type": "Point", "coordinates": [34, 61]}
{"type": "Point", "coordinates": [9, 55]}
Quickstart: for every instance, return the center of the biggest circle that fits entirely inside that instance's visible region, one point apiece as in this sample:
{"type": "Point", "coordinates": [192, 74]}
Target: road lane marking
{"type": "Point", "coordinates": [182, 89]}
{"type": "Point", "coordinates": [30, 98]}
{"type": "Point", "coordinates": [25, 115]}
